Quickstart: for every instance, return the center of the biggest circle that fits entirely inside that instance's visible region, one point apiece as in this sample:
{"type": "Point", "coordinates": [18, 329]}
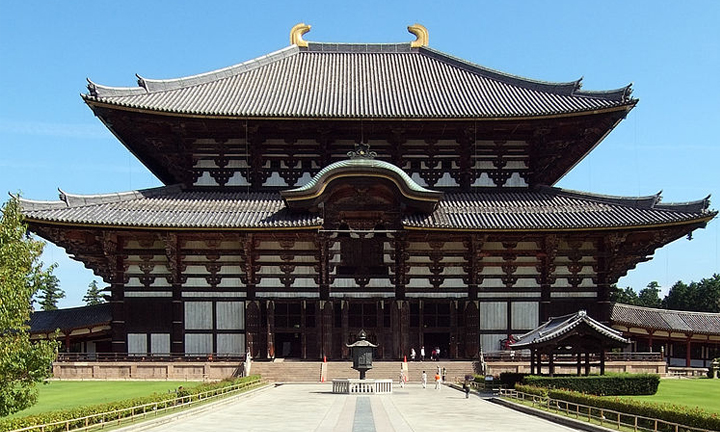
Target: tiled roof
{"type": "Point", "coordinates": [556, 328]}
{"type": "Point", "coordinates": [665, 319]}
{"type": "Point", "coordinates": [542, 209]}
{"type": "Point", "coordinates": [328, 80]}
{"type": "Point", "coordinates": [69, 319]}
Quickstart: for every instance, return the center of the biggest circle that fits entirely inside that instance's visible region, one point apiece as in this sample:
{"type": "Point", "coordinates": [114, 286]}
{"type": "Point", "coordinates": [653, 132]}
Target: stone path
{"type": "Point", "coordinates": [313, 407]}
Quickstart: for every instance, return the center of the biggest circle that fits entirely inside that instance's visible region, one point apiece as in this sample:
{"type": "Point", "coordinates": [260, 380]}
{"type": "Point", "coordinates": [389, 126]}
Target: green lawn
{"type": "Point", "coordinates": [67, 394]}
{"type": "Point", "coordinates": [703, 393]}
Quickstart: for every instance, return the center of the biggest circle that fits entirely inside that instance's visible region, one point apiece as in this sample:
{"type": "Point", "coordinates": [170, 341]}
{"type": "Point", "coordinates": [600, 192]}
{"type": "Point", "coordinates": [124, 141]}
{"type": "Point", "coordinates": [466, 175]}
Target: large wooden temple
{"type": "Point", "coordinates": [326, 188]}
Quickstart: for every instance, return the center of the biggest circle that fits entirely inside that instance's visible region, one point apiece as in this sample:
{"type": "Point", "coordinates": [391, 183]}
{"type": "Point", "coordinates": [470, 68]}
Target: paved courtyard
{"type": "Point", "coordinates": [313, 407]}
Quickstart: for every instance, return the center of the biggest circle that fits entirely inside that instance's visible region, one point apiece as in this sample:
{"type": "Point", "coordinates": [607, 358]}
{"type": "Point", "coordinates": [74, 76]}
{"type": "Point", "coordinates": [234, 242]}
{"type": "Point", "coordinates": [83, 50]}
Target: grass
{"type": "Point", "coordinates": [68, 394]}
{"type": "Point", "coordinates": [702, 393]}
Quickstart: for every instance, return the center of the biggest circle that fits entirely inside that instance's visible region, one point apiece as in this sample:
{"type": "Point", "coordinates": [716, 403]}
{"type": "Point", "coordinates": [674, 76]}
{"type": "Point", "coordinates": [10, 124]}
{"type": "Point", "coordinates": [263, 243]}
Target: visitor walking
{"type": "Point", "coordinates": [424, 379]}
{"type": "Point", "coordinates": [402, 377]}
{"type": "Point", "coordinates": [444, 374]}
{"type": "Point", "coordinates": [437, 381]}
{"type": "Point", "coordinates": [466, 389]}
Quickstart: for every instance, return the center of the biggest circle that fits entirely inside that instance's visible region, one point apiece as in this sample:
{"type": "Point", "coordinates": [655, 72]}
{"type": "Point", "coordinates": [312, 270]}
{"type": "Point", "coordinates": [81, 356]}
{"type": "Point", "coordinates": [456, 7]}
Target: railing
{"type": "Point", "coordinates": [117, 417]}
{"type": "Point", "coordinates": [114, 357]}
{"type": "Point", "coordinates": [513, 356]}
{"type": "Point", "coordinates": [602, 416]}
{"type": "Point", "coordinates": [356, 386]}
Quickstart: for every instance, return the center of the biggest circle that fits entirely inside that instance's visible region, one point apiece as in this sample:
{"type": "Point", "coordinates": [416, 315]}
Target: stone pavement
{"type": "Point", "coordinates": [313, 407]}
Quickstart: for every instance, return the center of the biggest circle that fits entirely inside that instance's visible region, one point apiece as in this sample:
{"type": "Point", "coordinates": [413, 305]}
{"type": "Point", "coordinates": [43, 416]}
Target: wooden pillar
{"type": "Point", "coordinates": [602, 361]}
{"type": "Point", "coordinates": [587, 363]}
{"type": "Point", "coordinates": [174, 259]}
{"type": "Point", "coordinates": [344, 313]}
{"type": "Point", "coordinates": [579, 364]}
{"type": "Point", "coordinates": [270, 325]}
{"type": "Point", "coordinates": [650, 341]}
{"type": "Point", "coordinates": [303, 330]}
{"type": "Point", "coordinates": [551, 363]}
{"type": "Point", "coordinates": [688, 358]}
{"type": "Point", "coordinates": [453, 352]}
{"type": "Point", "coordinates": [532, 362]}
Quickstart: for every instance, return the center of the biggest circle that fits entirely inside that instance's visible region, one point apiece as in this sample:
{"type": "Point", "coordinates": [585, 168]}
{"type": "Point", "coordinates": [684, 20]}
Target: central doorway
{"type": "Point", "coordinates": [437, 340]}
{"type": "Point", "coordinates": [288, 345]}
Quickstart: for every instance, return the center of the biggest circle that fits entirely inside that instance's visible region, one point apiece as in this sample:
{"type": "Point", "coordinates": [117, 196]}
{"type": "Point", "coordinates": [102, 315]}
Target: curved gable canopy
{"type": "Point", "coordinates": [362, 166]}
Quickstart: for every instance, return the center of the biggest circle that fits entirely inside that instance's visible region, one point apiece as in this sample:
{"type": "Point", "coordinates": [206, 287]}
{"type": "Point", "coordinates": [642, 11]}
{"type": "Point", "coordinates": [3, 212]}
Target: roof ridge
{"type": "Point", "coordinates": [661, 310]}
{"type": "Point", "coordinates": [148, 85]}
{"type": "Point", "coordinates": [645, 202]}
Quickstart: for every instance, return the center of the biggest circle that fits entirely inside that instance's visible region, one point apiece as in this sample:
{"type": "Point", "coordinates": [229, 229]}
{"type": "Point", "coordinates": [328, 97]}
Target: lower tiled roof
{"type": "Point", "coordinates": [665, 319]}
{"type": "Point", "coordinates": [545, 208]}
{"type": "Point", "coordinates": [69, 319]}
{"type": "Point", "coordinates": [556, 328]}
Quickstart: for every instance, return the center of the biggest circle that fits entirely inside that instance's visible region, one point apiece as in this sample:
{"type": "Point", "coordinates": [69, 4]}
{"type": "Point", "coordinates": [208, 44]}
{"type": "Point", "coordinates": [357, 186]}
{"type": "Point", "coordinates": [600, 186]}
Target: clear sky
{"type": "Point", "coordinates": [669, 50]}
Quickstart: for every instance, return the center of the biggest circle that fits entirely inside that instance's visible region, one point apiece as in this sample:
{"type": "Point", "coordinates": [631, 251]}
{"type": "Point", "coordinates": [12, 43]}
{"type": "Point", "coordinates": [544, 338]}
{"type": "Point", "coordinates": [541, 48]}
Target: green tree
{"type": "Point", "coordinates": [48, 289]}
{"type": "Point", "coordinates": [681, 297]}
{"type": "Point", "coordinates": [93, 295]}
{"type": "Point", "coordinates": [626, 296]}
{"type": "Point", "coordinates": [708, 298]}
{"type": "Point", "coordinates": [22, 364]}
{"type": "Point", "coordinates": [650, 296]}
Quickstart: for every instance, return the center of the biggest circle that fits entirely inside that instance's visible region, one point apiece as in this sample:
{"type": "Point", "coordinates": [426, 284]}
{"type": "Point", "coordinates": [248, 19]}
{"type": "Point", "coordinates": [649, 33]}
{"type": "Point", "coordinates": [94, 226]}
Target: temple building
{"type": "Point", "coordinates": [327, 188]}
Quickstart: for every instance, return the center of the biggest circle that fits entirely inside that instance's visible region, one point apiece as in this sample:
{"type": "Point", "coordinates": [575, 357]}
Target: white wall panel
{"type": "Point", "coordinates": [137, 343]}
{"type": "Point", "coordinates": [198, 315]}
{"type": "Point", "coordinates": [230, 315]}
{"type": "Point", "coordinates": [230, 344]}
{"type": "Point", "coordinates": [493, 316]}
{"type": "Point", "coordinates": [525, 315]}
{"type": "Point", "coordinates": [160, 343]}
{"type": "Point", "coordinates": [491, 342]}
{"type": "Point", "coordinates": [198, 344]}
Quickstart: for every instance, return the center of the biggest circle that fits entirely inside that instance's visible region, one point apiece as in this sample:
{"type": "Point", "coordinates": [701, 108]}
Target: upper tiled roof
{"type": "Point", "coordinates": [326, 80]}
{"type": "Point", "coordinates": [69, 319]}
{"type": "Point", "coordinates": [556, 328]}
{"type": "Point", "coordinates": [665, 319]}
{"type": "Point", "coordinates": [542, 209]}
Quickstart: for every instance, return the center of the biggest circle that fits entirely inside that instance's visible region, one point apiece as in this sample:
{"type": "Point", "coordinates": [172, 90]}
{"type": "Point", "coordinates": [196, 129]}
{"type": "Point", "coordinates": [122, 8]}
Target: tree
{"type": "Point", "coordinates": [650, 296]}
{"type": "Point", "coordinates": [708, 298]}
{"type": "Point", "coordinates": [626, 296]}
{"type": "Point", "coordinates": [22, 364]}
{"type": "Point", "coordinates": [93, 295]}
{"type": "Point", "coordinates": [681, 297]}
{"type": "Point", "coordinates": [48, 289]}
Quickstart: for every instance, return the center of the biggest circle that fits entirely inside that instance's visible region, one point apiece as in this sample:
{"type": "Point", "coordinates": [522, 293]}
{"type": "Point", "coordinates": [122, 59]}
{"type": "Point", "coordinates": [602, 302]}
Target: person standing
{"type": "Point", "coordinates": [424, 379]}
{"type": "Point", "coordinates": [402, 377]}
{"type": "Point", "coordinates": [437, 381]}
{"type": "Point", "coordinates": [444, 374]}
{"type": "Point", "coordinates": [422, 353]}
{"type": "Point", "coordinates": [412, 354]}
{"type": "Point", "coordinates": [466, 389]}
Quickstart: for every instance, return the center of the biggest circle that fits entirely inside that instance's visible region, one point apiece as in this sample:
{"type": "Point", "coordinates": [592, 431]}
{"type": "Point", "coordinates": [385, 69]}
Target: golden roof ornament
{"type": "Point", "coordinates": [421, 33]}
{"type": "Point", "coordinates": [296, 34]}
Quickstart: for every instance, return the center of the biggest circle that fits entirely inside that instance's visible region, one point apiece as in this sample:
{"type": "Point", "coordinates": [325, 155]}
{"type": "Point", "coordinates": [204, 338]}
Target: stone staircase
{"type": "Point", "coordinates": [290, 370]}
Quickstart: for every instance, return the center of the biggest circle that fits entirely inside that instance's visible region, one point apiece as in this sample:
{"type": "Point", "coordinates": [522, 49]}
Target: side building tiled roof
{"type": "Point", "coordinates": [665, 319]}
{"type": "Point", "coordinates": [557, 327]}
{"type": "Point", "coordinates": [69, 319]}
{"type": "Point", "coordinates": [545, 208]}
{"type": "Point", "coordinates": [381, 81]}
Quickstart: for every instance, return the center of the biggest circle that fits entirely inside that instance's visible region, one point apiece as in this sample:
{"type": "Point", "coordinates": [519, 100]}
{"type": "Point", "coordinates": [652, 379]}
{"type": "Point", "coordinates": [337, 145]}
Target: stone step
{"type": "Point", "coordinates": [309, 371]}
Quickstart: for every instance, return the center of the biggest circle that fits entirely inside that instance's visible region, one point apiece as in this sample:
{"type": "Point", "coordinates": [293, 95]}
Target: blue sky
{"type": "Point", "coordinates": [669, 50]}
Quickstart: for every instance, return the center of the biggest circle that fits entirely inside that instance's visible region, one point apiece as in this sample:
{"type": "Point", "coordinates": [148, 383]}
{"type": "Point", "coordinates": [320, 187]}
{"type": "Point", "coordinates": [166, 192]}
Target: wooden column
{"type": "Point", "coordinates": [688, 346]}
{"type": "Point", "coordinates": [532, 362]}
{"type": "Point", "coordinates": [344, 314]}
{"type": "Point", "coordinates": [551, 362]}
{"type": "Point", "coordinates": [112, 246]}
{"type": "Point", "coordinates": [173, 255]}
{"type": "Point", "coordinates": [303, 330]}
{"type": "Point", "coordinates": [587, 363]}
{"type": "Point", "coordinates": [579, 363]}
{"type": "Point", "coordinates": [602, 361]}
{"type": "Point", "coordinates": [270, 325]}
{"type": "Point", "coordinates": [327, 317]}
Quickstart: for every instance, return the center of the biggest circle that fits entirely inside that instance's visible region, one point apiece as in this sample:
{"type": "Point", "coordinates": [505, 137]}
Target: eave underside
{"type": "Point", "coordinates": [170, 145]}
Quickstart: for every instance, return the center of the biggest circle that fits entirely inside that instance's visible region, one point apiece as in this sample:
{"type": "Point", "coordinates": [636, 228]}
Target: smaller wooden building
{"type": "Point", "coordinates": [82, 330]}
{"type": "Point", "coordinates": [569, 339]}
{"type": "Point", "coordinates": [686, 339]}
